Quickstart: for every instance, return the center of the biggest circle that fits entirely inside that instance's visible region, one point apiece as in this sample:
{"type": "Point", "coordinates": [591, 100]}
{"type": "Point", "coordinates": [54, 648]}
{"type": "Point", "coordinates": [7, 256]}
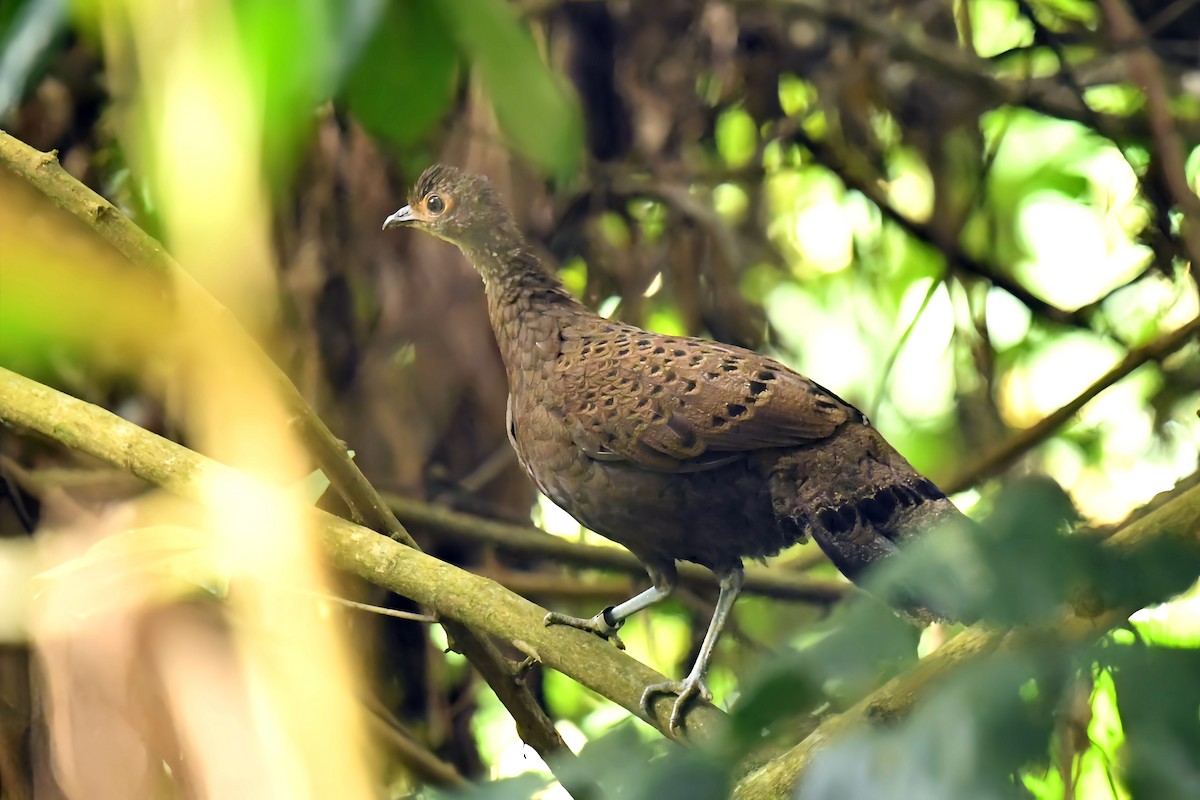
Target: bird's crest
{"type": "Point", "coordinates": [445, 178]}
{"type": "Point", "coordinates": [436, 176]}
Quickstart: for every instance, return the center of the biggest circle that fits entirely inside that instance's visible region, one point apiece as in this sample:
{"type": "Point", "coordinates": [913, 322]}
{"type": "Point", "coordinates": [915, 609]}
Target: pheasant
{"type": "Point", "coordinates": [677, 448]}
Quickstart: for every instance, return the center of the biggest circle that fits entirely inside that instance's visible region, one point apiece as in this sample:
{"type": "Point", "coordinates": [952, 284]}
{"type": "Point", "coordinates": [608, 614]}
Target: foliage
{"type": "Point", "coordinates": [989, 724]}
{"type": "Point", "coordinates": [959, 238]}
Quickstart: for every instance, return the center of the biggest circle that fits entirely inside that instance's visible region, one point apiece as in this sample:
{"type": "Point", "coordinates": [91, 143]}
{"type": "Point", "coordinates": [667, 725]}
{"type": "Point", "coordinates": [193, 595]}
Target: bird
{"type": "Point", "coordinates": [678, 448]}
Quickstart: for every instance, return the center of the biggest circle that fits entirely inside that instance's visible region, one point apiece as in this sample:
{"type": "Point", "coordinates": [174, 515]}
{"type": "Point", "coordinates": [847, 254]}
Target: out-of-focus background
{"type": "Point", "coordinates": [975, 220]}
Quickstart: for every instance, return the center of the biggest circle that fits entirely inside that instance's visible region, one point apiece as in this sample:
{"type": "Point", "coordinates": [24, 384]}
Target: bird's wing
{"type": "Point", "coordinates": [671, 403]}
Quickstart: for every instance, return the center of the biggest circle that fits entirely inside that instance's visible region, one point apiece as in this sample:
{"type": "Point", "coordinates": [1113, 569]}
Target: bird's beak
{"type": "Point", "coordinates": [401, 217]}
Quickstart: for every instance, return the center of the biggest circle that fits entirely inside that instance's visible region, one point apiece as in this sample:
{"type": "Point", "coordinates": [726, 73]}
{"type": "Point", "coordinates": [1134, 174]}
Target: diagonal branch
{"type": "Point", "coordinates": [1168, 156]}
{"type": "Point", "coordinates": [954, 253]}
{"type": "Point", "coordinates": [44, 173]}
{"type": "Point", "coordinates": [484, 605]}
{"type": "Point", "coordinates": [780, 584]}
{"type": "Point", "coordinates": [1178, 518]}
{"type": "Point", "coordinates": [455, 595]}
{"type": "Point", "coordinates": [1009, 451]}
{"type": "Point", "coordinates": [907, 42]}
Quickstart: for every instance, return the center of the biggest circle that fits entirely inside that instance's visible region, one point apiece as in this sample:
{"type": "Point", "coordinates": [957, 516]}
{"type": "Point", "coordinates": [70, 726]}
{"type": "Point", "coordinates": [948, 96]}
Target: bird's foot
{"type": "Point", "coordinates": [598, 625]}
{"type": "Point", "coordinates": [686, 689]}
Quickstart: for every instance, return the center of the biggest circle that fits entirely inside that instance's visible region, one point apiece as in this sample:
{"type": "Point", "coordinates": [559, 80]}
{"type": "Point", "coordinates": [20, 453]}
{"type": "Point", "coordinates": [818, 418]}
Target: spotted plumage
{"type": "Point", "coordinates": [677, 448]}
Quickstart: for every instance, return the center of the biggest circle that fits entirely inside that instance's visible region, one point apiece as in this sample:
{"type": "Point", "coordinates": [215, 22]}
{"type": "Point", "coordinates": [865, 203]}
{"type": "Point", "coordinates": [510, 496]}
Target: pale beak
{"type": "Point", "coordinates": [401, 217]}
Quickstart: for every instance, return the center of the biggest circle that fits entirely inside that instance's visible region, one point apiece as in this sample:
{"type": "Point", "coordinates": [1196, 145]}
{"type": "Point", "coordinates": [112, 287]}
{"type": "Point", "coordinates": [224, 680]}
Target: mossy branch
{"type": "Point", "coordinates": [43, 172]}
{"type": "Point", "coordinates": [780, 584]}
{"type": "Point", "coordinates": [1178, 518]}
{"type": "Point", "coordinates": [454, 595]}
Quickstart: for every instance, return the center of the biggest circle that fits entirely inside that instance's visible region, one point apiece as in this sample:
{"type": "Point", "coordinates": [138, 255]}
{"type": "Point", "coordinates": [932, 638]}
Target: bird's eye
{"type": "Point", "coordinates": [435, 204]}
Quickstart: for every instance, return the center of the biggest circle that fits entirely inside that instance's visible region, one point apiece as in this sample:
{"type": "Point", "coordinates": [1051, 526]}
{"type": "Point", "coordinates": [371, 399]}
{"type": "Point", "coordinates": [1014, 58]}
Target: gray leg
{"type": "Point", "coordinates": [608, 622]}
{"type": "Point", "coordinates": [693, 684]}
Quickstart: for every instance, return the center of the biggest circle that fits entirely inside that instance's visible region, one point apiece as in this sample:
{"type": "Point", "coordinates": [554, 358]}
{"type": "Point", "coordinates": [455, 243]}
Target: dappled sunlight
{"type": "Point", "coordinates": [262, 526]}
{"type": "Point", "coordinates": [1073, 261]}
{"type": "Point", "coordinates": [1053, 375]}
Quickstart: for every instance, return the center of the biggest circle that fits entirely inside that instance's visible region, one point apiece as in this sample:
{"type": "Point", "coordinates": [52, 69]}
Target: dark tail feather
{"type": "Point", "coordinates": [860, 501]}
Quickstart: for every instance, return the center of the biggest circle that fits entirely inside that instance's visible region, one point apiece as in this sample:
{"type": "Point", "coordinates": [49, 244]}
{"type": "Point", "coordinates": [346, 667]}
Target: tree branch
{"type": "Point", "coordinates": [44, 173]}
{"type": "Point", "coordinates": [955, 256]}
{"type": "Point", "coordinates": [782, 585]}
{"type": "Point", "coordinates": [1008, 452]}
{"type": "Point", "coordinates": [453, 594]}
{"type": "Point", "coordinates": [782, 581]}
{"type": "Point", "coordinates": [1178, 518]}
{"type": "Point", "coordinates": [1046, 95]}
{"type": "Point", "coordinates": [1168, 154]}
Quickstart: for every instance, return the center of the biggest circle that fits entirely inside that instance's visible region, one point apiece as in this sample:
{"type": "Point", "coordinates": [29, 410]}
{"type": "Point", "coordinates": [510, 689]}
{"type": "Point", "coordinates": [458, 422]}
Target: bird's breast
{"type": "Point", "coordinates": [714, 517]}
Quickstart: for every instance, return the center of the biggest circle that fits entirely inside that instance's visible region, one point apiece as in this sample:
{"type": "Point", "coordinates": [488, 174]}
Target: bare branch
{"type": "Point", "coordinates": [44, 173]}
{"type": "Point", "coordinates": [908, 42]}
{"type": "Point", "coordinates": [1008, 452]}
{"type": "Point", "coordinates": [1179, 518]}
{"type": "Point", "coordinates": [1168, 153]}
{"type": "Point", "coordinates": [783, 585]}
{"type": "Point", "coordinates": [453, 594]}
{"type": "Point", "coordinates": [954, 254]}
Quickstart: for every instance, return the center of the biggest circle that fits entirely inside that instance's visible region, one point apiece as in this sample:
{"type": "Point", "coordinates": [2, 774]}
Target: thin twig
{"type": "Point", "coordinates": [780, 584]}
{"type": "Point", "coordinates": [909, 43]}
{"type": "Point", "coordinates": [370, 609]}
{"type": "Point", "coordinates": [423, 763]}
{"type": "Point", "coordinates": [1168, 155]}
{"type": "Point", "coordinates": [1008, 452]}
{"type": "Point", "coordinates": [452, 593]}
{"type": "Point", "coordinates": [925, 232]}
{"type": "Point", "coordinates": [44, 173]}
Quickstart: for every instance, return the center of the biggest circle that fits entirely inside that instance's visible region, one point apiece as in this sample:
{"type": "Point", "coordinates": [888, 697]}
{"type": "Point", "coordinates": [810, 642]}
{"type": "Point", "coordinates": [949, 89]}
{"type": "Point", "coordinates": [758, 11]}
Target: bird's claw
{"type": "Point", "coordinates": [685, 690]}
{"type": "Point", "coordinates": [597, 625]}
{"type": "Point", "coordinates": [521, 670]}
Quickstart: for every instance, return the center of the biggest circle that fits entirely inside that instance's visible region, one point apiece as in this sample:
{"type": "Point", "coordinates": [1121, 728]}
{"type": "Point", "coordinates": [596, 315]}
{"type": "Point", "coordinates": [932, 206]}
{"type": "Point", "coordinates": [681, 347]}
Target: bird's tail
{"type": "Point", "coordinates": [857, 497]}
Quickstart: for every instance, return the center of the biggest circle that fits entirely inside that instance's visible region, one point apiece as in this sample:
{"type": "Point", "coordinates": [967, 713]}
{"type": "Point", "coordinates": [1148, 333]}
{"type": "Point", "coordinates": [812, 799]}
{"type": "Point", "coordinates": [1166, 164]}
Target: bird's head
{"type": "Point", "coordinates": [452, 205]}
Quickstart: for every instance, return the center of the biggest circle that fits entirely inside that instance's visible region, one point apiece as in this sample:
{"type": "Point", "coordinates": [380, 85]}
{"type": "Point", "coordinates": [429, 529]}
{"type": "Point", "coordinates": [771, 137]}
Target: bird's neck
{"type": "Point", "coordinates": [527, 305]}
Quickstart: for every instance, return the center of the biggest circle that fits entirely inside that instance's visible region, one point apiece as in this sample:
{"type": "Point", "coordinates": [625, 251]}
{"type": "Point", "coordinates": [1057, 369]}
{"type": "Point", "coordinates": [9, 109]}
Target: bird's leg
{"type": "Point", "coordinates": [609, 621]}
{"type": "Point", "coordinates": [693, 684]}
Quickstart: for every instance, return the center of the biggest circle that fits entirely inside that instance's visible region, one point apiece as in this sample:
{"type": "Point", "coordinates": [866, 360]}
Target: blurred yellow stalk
{"type": "Point", "coordinates": [275, 714]}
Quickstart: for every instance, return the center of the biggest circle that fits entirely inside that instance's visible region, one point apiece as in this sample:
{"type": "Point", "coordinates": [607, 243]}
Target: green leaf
{"type": "Point", "coordinates": [30, 33]}
{"type": "Point", "coordinates": [536, 112]}
{"type": "Point", "coordinates": [312, 486]}
{"type": "Point", "coordinates": [291, 52]}
{"type": "Point", "coordinates": [966, 740]}
{"type": "Point", "coordinates": [405, 79]}
{"type": "Point", "coordinates": [1159, 701]}
{"type": "Point", "coordinates": [628, 767]}
{"type": "Point", "coordinates": [737, 137]}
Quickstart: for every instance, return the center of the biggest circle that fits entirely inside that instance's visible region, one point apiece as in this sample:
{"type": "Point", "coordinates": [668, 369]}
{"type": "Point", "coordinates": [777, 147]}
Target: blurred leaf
{"type": "Point", "coordinates": [535, 110]}
{"type": "Point", "coordinates": [521, 787]}
{"type": "Point", "coordinates": [311, 487]}
{"type": "Point", "coordinates": [967, 740]}
{"type": "Point", "coordinates": [1147, 573]}
{"type": "Point", "coordinates": [1173, 624]}
{"type": "Point", "coordinates": [632, 769]}
{"type": "Point", "coordinates": [1018, 567]}
{"type": "Point", "coordinates": [162, 562]}
{"type": "Point", "coordinates": [574, 275]}
{"type": "Point", "coordinates": [290, 54]}
{"type": "Point", "coordinates": [1159, 698]}
{"type": "Point", "coordinates": [30, 31]}
{"type": "Point", "coordinates": [858, 648]}
{"type": "Point", "coordinates": [404, 81]}
{"type": "Point", "coordinates": [737, 137]}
